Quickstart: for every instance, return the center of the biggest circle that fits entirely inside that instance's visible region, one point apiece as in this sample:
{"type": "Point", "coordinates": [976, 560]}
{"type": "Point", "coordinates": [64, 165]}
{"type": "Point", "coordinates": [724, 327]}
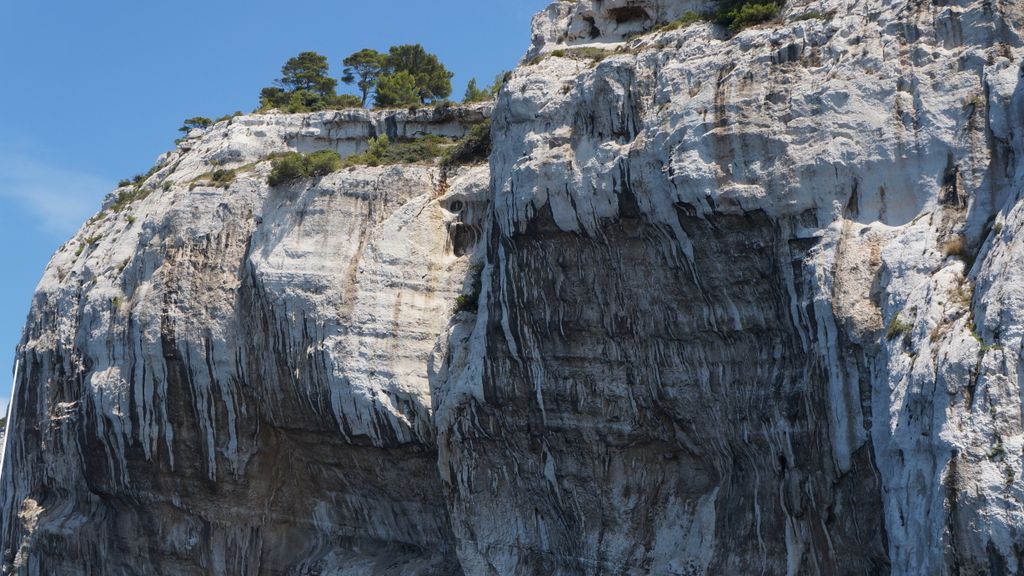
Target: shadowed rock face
{"type": "Point", "coordinates": [746, 305]}
{"type": "Point", "coordinates": [692, 440]}
{"type": "Point", "coordinates": [722, 330]}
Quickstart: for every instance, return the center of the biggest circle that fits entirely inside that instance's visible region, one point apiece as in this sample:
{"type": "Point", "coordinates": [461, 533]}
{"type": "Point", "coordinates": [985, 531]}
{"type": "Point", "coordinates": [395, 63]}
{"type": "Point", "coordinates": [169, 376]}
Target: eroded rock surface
{"type": "Point", "coordinates": [751, 304]}
{"type": "Point", "coordinates": [234, 381]}
{"type": "Point", "coordinates": [748, 304]}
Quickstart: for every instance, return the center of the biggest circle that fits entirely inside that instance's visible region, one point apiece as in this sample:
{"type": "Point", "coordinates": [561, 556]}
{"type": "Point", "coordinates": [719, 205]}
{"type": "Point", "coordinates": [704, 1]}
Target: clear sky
{"type": "Point", "coordinates": [94, 91]}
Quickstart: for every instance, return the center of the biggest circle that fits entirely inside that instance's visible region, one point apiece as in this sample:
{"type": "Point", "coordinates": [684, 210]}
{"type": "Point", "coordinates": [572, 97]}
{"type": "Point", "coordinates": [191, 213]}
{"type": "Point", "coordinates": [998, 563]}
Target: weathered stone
{"type": "Point", "coordinates": [746, 303]}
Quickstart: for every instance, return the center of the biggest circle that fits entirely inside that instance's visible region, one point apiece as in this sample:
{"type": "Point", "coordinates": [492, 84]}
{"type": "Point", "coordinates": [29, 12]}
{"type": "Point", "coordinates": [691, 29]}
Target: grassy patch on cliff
{"type": "Point", "coordinates": [221, 177]}
{"type": "Point", "coordinates": [683, 21]}
{"type": "Point", "coordinates": [474, 147]}
{"type": "Point", "coordinates": [733, 15]}
{"type": "Point", "coordinates": [593, 54]}
{"type": "Point", "coordinates": [386, 152]}
{"type": "Point", "coordinates": [293, 165]}
{"type": "Point", "coordinates": [126, 197]}
{"type": "Point", "coordinates": [747, 14]}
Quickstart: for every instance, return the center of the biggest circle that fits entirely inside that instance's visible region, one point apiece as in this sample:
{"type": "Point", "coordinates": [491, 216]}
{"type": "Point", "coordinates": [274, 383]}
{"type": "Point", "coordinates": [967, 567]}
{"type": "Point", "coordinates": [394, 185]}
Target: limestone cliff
{"type": "Point", "coordinates": [234, 380]}
{"type": "Point", "coordinates": [749, 303]}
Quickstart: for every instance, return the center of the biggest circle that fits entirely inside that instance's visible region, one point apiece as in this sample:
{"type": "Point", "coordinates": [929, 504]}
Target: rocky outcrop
{"type": "Point", "coordinates": [234, 381]}
{"type": "Point", "coordinates": [750, 303]}
{"type": "Point", "coordinates": [744, 303]}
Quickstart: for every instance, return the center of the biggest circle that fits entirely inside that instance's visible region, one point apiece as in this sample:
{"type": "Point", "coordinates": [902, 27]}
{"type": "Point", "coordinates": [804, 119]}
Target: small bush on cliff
{"type": "Point", "coordinates": [126, 197]}
{"type": "Point", "coordinates": [193, 123]}
{"type": "Point", "coordinates": [384, 152]}
{"type": "Point", "coordinates": [476, 94]}
{"type": "Point", "coordinates": [474, 147]}
{"type": "Point", "coordinates": [286, 168]}
{"type": "Point", "coordinates": [683, 21]}
{"type": "Point", "coordinates": [234, 114]}
{"type": "Point", "coordinates": [747, 14]}
{"type": "Point", "coordinates": [898, 328]}
{"type": "Point", "coordinates": [222, 177]}
{"type": "Point", "coordinates": [293, 165]}
{"type": "Point", "coordinates": [322, 163]}
{"type": "Point", "coordinates": [470, 302]}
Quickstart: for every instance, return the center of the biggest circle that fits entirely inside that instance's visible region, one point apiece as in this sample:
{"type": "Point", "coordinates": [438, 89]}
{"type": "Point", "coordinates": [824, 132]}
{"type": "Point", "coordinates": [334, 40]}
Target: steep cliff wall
{"type": "Point", "coordinates": [748, 303]}
{"type": "Point", "coordinates": [751, 303]}
{"type": "Point", "coordinates": [234, 381]}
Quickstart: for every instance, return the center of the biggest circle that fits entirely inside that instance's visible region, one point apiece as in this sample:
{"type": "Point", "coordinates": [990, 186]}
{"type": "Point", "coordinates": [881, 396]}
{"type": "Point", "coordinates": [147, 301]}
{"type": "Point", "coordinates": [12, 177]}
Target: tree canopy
{"type": "Point", "coordinates": [406, 75]}
{"type": "Point", "coordinates": [475, 93]}
{"type": "Point", "coordinates": [195, 122]}
{"type": "Point", "coordinates": [397, 90]}
{"type": "Point", "coordinates": [364, 68]}
{"type": "Point", "coordinates": [433, 80]}
{"type": "Point", "coordinates": [306, 86]}
{"type": "Point", "coordinates": [308, 71]}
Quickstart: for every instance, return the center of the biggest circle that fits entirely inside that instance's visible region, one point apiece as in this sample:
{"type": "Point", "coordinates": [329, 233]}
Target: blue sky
{"type": "Point", "coordinates": [95, 91]}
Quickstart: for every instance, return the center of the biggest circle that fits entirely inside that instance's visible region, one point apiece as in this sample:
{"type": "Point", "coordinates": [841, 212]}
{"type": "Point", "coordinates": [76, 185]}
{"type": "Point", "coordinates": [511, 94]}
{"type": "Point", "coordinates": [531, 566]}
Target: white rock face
{"type": "Point", "coordinates": [234, 381]}
{"type": "Point", "coordinates": [729, 329]}
{"type": "Point", "coordinates": [748, 304]}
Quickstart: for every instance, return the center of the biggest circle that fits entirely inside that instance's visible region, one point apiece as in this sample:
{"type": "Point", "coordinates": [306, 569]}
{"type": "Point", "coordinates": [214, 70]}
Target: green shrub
{"type": "Point", "coordinates": [384, 152]}
{"type": "Point", "coordinates": [286, 168]}
{"type": "Point", "coordinates": [126, 197]}
{"type": "Point", "coordinates": [432, 80]}
{"type": "Point", "coordinates": [475, 93]}
{"type": "Point", "coordinates": [301, 101]}
{"type": "Point", "coordinates": [227, 117]}
{"type": "Point", "coordinates": [499, 82]}
{"type": "Point", "coordinates": [897, 328]}
{"type": "Point", "coordinates": [292, 165]}
{"type": "Point", "coordinates": [191, 124]}
{"type": "Point", "coordinates": [591, 53]}
{"type": "Point", "coordinates": [124, 182]}
{"type": "Point", "coordinates": [998, 451]}
{"type": "Point", "coordinates": [683, 21]}
{"type": "Point", "coordinates": [222, 177]}
{"type": "Point", "coordinates": [474, 147]}
{"type": "Point", "coordinates": [747, 14]}
{"type": "Point", "coordinates": [322, 163]}
{"type": "Point", "coordinates": [88, 243]}
{"type": "Point", "coordinates": [469, 302]}
{"type": "Point", "coordinates": [379, 146]}
{"type": "Point", "coordinates": [343, 101]}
